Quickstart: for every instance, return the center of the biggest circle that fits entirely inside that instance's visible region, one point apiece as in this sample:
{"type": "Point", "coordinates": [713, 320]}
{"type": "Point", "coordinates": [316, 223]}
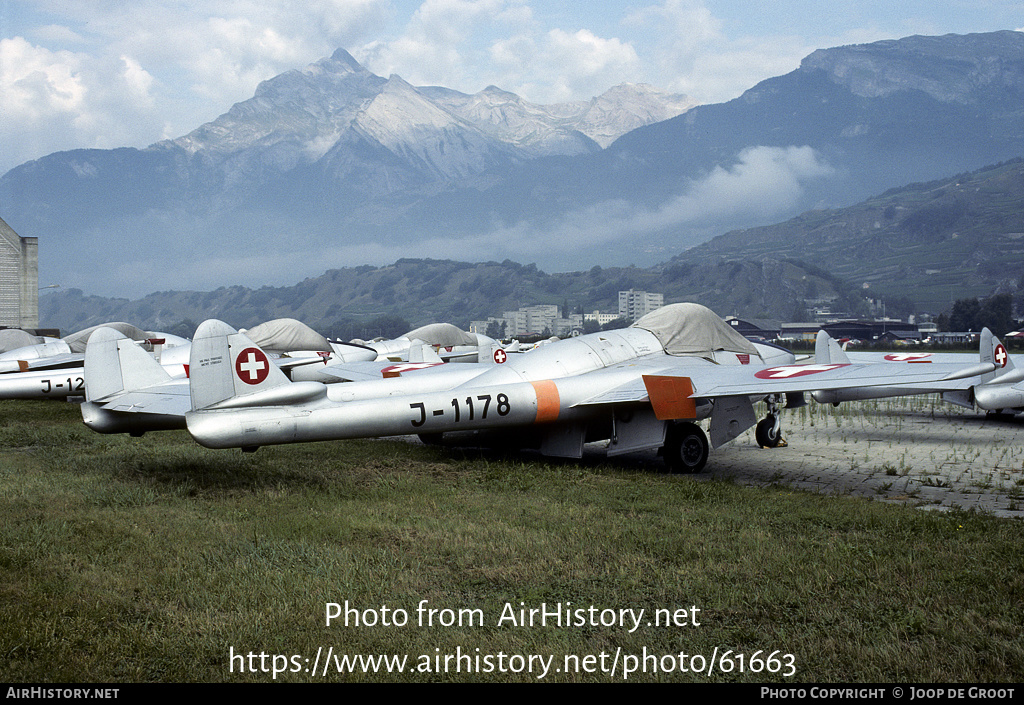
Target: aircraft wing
{"type": "Point", "coordinates": [706, 381]}
{"type": "Point", "coordinates": [39, 364]}
{"type": "Point", "coordinates": [805, 378]}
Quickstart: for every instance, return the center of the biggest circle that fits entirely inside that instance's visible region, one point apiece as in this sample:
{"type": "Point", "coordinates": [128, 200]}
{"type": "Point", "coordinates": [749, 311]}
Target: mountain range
{"type": "Point", "coordinates": [914, 249]}
{"type": "Point", "coordinates": [334, 166]}
{"type": "Point", "coordinates": [930, 242]}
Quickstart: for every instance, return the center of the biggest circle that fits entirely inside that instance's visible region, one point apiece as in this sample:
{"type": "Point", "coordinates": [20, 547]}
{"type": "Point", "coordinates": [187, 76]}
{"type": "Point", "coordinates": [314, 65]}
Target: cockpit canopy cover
{"type": "Point", "coordinates": [77, 341]}
{"type": "Point", "coordinates": [287, 334]}
{"type": "Point", "coordinates": [693, 330]}
{"type": "Point", "coordinates": [14, 338]}
{"type": "Point", "coordinates": [444, 334]}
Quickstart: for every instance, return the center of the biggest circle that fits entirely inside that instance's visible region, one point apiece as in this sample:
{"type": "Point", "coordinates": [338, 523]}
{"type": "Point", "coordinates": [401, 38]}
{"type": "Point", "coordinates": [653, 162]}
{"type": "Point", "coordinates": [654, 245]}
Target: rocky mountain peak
{"type": "Point", "coordinates": [951, 69]}
{"type": "Point", "coordinates": [635, 104]}
{"type": "Point", "coordinates": [315, 106]}
{"type": "Point", "coordinates": [340, 61]}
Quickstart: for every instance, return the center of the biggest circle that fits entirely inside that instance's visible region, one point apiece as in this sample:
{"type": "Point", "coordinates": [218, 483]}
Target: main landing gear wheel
{"type": "Point", "coordinates": [768, 433]}
{"type": "Point", "coordinates": [686, 448]}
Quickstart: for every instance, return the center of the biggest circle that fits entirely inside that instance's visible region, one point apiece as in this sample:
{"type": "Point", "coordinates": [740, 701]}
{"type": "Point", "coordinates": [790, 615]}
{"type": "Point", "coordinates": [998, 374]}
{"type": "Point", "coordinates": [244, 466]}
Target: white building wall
{"type": "Point", "coordinates": [635, 304]}
{"type": "Point", "coordinates": [19, 279]}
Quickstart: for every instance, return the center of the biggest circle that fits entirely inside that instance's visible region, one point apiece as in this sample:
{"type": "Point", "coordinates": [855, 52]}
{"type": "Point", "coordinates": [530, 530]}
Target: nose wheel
{"type": "Point", "coordinates": [768, 432]}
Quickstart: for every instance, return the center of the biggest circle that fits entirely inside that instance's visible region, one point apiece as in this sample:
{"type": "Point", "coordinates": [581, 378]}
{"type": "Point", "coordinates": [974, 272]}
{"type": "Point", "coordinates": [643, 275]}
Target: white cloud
{"type": "Point", "coordinates": [561, 66]}
{"type": "Point", "coordinates": [764, 185]}
{"type": "Point", "coordinates": [138, 82]}
{"type": "Point", "coordinates": [692, 51]}
{"type": "Point", "coordinates": [37, 82]}
{"type": "Point", "coordinates": [442, 42]}
{"type": "Point", "coordinates": [45, 96]}
{"type": "Point", "coordinates": [146, 70]}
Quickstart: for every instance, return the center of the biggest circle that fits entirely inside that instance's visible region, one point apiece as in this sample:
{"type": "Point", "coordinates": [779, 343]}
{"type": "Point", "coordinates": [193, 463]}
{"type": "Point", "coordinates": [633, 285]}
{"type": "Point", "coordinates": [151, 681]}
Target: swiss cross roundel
{"type": "Point", "coordinates": [789, 371]}
{"type": "Point", "coordinates": [252, 366]}
{"type": "Point", "coordinates": [907, 357]}
{"type": "Point", "coordinates": [1000, 355]}
{"type": "Point", "coordinates": [500, 356]}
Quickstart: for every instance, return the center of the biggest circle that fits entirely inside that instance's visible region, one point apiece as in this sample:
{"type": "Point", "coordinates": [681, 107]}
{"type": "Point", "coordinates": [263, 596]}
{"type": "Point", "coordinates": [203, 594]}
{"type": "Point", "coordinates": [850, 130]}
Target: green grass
{"type": "Point", "coordinates": [137, 560]}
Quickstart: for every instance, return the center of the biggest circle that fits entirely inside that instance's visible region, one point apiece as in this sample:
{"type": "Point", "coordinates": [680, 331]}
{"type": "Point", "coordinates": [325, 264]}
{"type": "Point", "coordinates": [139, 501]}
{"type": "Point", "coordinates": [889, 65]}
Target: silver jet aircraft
{"type": "Point", "coordinates": [52, 368]}
{"type": "Point", "coordinates": [640, 388]}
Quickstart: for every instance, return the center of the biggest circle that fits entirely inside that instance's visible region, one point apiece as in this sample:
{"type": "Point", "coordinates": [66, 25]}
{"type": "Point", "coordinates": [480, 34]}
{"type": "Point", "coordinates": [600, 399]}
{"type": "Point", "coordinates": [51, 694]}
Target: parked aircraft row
{"type": "Point", "coordinates": [638, 388]}
{"type": "Point", "coordinates": [34, 367]}
{"type": "Point", "coordinates": [641, 387]}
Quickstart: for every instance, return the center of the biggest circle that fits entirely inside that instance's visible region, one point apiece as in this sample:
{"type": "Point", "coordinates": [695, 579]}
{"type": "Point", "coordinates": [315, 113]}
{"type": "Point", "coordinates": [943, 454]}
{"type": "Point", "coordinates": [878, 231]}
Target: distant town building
{"type": "Point", "coordinates": [542, 319]}
{"type": "Point", "coordinates": [19, 279]}
{"type": "Point", "coordinates": [601, 319]}
{"type": "Point", "coordinates": [546, 319]}
{"type": "Point", "coordinates": [946, 337]}
{"type": "Point", "coordinates": [634, 304]}
{"type": "Point", "coordinates": [756, 327]}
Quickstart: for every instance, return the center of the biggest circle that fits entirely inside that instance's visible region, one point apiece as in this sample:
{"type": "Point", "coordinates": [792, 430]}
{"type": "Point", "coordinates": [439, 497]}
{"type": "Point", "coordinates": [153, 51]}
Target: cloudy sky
{"type": "Point", "coordinates": [110, 73]}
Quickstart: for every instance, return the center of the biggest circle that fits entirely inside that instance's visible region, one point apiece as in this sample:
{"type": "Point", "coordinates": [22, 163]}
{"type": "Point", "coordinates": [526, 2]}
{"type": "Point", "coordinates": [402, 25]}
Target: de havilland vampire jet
{"type": "Point", "coordinates": [641, 387]}
{"type": "Point", "coordinates": [52, 368]}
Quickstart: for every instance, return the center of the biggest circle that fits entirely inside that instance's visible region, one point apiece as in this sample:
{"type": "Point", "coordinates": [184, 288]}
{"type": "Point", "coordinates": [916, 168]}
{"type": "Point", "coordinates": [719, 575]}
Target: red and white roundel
{"type": "Point", "coordinates": [252, 366]}
{"type": "Point", "coordinates": [907, 357]}
{"type": "Point", "coordinates": [790, 371]}
{"type": "Point", "coordinates": [397, 370]}
{"type": "Point", "coordinates": [1000, 356]}
{"type": "Point", "coordinates": [500, 356]}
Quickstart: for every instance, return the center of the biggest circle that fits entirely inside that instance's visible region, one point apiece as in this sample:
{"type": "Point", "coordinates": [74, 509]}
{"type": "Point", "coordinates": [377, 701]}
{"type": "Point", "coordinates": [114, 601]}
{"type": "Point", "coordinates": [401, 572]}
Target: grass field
{"type": "Point", "coordinates": [153, 559]}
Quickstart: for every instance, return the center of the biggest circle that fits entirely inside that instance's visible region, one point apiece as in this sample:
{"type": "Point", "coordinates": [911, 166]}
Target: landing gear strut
{"type": "Point", "coordinates": [686, 448]}
{"type": "Point", "coordinates": [768, 432]}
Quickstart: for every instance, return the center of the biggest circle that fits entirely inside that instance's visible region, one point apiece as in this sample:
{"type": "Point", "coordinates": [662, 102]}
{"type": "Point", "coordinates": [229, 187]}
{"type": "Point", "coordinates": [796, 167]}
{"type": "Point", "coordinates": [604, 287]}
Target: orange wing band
{"type": "Point", "coordinates": [670, 397]}
{"type": "Point", "coordinates": [548, 402]}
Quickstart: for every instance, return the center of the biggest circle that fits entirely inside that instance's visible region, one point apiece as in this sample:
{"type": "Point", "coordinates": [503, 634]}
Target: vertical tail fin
{"type": "Point", "coordinates": [992, 351]}
{"type": "Point", "coordinates": [225, 363]}
{"type": "Point", "coordinates": [827, 350]}
{"type": "Point", "coordinates": [493, 354]}
{"type": "Point", "coordinates": [227, 369]}
{"type": "Point", "coordinates": [422, 352]}
{"type": "Point", "coordinates": [115, 363]}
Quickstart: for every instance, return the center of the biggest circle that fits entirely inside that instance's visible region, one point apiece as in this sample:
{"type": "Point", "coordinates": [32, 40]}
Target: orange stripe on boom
{"type": "Point", "coordinates": [670, 397]}
{"type": "Point", "coordinates": [548, 402]}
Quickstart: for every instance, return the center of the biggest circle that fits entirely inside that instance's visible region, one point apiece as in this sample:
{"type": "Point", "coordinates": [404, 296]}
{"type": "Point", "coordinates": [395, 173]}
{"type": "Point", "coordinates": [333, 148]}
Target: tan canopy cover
{"type": "Point", "coordinates": [14, 338]}
{"type": "Point", "coordinates": [693, 330]}
{"type": "Point", "coordinates": [286, 335]}
{"type": "Point", "coordinates": [444, 334]}
{"type": "Point", "coordinates": [77, 341]}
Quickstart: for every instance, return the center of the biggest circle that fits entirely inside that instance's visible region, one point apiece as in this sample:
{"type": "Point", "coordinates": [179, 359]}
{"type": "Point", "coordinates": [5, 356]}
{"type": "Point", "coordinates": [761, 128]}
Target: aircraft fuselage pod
{"type": "Point", "coordinates": [44, 384]}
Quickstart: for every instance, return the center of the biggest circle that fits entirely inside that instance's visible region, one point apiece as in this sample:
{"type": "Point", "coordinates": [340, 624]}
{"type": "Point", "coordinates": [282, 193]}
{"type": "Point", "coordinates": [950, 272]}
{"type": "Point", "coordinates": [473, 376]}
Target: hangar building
{"type": "Point", "coordinates": [19, 279]}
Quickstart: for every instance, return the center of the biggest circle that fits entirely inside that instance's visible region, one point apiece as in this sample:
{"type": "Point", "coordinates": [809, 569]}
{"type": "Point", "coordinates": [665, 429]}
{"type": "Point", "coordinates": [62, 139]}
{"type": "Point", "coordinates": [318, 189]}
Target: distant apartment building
{"type": "Point", "coordinates": [19, 279]}
{"type": "Point", "coordinates": [634, 304]}
{"type": "Point", "coordinates": [601, 319]}
{"type": "Point", "coordinates": [547, 319]}
{"type": "Point", "coordinates": [528, 320]}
